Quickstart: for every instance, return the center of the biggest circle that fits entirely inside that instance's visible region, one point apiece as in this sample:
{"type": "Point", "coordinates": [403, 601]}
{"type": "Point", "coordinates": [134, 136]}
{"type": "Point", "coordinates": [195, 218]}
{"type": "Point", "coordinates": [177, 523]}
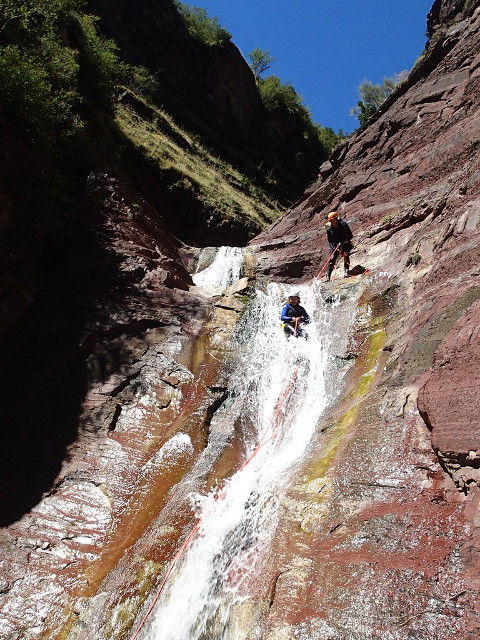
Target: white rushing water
{"type": "Point", "coordinates": [224, 270]}
{"type": "Point", "coordinates": [285, 385]}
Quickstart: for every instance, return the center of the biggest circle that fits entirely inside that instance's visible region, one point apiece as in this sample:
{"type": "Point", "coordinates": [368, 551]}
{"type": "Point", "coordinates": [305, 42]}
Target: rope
{"type": "Point", "coordinates": [284, 392]}
{"type": "Point", "coordinates": [342, 254]}
{"type": "Point", "coordinates": [281, 402]}
{"type": "Point", "coordinates": [167, 575]}
{"type": "Point", "coordinates": [295, 322]}
{"type": "Point", "coordinates": [326, 263]}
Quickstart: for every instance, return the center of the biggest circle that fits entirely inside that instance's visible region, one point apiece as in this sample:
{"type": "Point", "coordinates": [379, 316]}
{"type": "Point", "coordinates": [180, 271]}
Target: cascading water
{"type": "Point", "coordinates": [224, 270]}
{"type": "Point", "coordinates": [285, 385]}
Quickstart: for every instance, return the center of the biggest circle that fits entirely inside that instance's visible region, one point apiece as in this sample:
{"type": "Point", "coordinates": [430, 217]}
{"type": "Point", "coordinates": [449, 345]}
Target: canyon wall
{"type": "Point", "coordinates": [212, 90]}
{"type": "Point", "coordinates": [383, 541]}
{"type": "Point", "coordinates": [379, 533]}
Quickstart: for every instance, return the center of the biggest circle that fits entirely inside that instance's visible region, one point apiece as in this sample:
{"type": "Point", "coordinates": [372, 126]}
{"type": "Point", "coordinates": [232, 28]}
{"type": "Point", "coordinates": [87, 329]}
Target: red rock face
{"type": "Point", "coordinates": [114, 422]}
{"type": "Point", "coordinates": [136, 235]}
{"type": "Point", "coordinates": [378, 535]}
{"type": "Point", "coordinates": [449, 398]}
{"type": "Point", "coordinates": [391, 549]}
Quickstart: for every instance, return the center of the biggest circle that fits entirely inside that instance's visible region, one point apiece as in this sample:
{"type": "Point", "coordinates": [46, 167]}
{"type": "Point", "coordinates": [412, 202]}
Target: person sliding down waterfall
{"type": "Point", "coordinates": [339, 235]}
{"type": "Point", "coordinates": [294, 317]}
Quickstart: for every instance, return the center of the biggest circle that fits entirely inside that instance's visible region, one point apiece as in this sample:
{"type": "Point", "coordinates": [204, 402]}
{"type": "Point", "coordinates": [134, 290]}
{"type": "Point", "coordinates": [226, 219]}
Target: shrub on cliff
{"type": "Point", "coordinates": [100, 68]}
{"type": "Point", "coordinates": [203, 28]}
{"type": "Point", "coordinates": [276, 94]}
{"type": "Point", "coordinates": [260, 61]}
{"type": "Point", "coordinates": [38, 71]}
{"type": "Point", "coordinates": [29, 96]}
{"type": "Point", "coordinates": [51, 57]}
{"type": "Point", "coordinates": [372, 96]}
{"type": "Point", "coordinates": [328, 137]}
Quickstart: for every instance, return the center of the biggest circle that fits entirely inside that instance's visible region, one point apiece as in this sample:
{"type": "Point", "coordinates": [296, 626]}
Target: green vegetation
{"type": "Point", "coordinates": [419, 60]}
{"type": "Point", "coordinates": [73, 105]}
{"type": "Point", "coordinates": [260, 61]}
{"type": "Point", "coordinates": [189, 168]}
{"type": "Point", "coordinates": [278, 95]}
{"type": "Point", "coordinates": [51, 58]}
{"type": "Point", "coordinates": [203, 28]}
{"type": "Point", "coordinates": [38, 71]}
{"type": "Point", "coordinates": [439, 33]}
{"type": "Point", "coordinates": [101, 68]}
{"type": "Point", "coordinates": [328, 137]}
{"type": "Point", "coordinates": [372, 96]}
{"type": "Point", "coordinates": [388, 218]}
{"type": "Point", "coordinates": [413, 260]}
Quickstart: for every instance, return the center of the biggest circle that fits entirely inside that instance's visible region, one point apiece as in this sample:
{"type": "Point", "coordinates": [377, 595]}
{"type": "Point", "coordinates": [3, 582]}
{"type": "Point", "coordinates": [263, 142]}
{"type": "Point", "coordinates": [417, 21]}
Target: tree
{"type": "Point", "coordinates": [276, 94]}
{"type": "Point", "coordinates": [260, 60]}
{"type": "Point", "coordinates": [203, 28]}
{"type": "Point", "coordinates": [328, 137]}
{"type": "Point", "coordinates": [372, 96]}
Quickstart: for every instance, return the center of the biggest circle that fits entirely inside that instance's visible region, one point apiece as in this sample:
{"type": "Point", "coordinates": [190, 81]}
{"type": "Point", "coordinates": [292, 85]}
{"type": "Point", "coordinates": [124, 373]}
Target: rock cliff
{"type": "Point", "coordinates": [408, 185]}
{"type": "Point", "coordinates": [379, 533]}
{"type": "Point", "coordinates": [212, 90]}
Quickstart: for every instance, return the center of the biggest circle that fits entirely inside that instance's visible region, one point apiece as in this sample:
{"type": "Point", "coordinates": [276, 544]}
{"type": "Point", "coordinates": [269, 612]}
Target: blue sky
{"type": "Point", "coordinates": [325, 48]}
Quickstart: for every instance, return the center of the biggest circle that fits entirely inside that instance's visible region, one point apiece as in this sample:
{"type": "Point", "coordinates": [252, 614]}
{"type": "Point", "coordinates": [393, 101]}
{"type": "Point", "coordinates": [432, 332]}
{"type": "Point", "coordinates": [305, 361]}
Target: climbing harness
{"type": "Point", "coordinates": [297, 331]}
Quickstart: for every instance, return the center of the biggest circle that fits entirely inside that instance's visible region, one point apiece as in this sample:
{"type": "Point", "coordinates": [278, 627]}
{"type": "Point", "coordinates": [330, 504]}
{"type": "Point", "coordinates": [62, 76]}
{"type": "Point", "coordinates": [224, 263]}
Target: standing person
{"type": "Point", "coordinates": [339, 235]}
{"type": "Point", "coordinates": [292, 316]}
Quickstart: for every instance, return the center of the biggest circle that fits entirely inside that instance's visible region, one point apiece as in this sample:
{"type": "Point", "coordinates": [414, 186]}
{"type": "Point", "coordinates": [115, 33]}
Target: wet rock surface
{"type": "Point", "coordinates": [374, 539]}
{"type": "Point", "coordinates": [409, 187]}
{"type": "Point", "coordinates": [449, 396]}
{"type": "Point", "coordinates": [146, 351]}
{"type": "Point", "coordinates": [382, 541]}
{"type": "Point", "coordinates": [378, 535]}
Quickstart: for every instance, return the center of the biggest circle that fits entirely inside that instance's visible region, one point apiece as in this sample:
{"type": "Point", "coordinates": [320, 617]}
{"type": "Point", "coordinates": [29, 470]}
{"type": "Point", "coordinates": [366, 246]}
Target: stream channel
{"type": "Point", "coordinates": [283, 386]}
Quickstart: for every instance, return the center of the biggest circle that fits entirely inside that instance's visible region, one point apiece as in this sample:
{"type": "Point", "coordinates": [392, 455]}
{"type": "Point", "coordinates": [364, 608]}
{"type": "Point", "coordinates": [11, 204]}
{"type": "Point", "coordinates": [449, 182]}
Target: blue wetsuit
{"type": "Point", "coordinates": [289, 312]}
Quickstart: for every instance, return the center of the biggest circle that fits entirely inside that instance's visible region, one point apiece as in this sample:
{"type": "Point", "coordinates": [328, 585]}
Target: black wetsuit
{"type": "Point", "coordinates": [339, 235]}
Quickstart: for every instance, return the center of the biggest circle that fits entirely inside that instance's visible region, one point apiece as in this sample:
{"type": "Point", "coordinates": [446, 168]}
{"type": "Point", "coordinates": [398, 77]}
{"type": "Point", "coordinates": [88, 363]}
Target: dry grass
{"type": "Point", "coordinates": [218, 186]}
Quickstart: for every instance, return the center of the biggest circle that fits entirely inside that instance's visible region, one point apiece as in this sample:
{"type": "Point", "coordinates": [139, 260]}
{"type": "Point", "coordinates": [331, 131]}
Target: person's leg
{"type": "Point", "coordinates": [288, 329]}
{"type": "Point", "coordinates": [301, 333]}
{"type": "Point", "coordinates": [347, 247]}
{"type": "Point", "coordinates": [331, 264]}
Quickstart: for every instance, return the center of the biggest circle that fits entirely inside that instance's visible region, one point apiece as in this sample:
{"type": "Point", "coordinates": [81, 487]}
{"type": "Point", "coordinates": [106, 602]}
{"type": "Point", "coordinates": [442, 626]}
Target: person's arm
{"type": "Point", "coordinates": [330, 237]}
{"type": "Point", "coordinates": [328, 229]}
{"type": "Point", "coordinates": [283, 315]}
{"type": "Point", "coordinates": [305, 316]}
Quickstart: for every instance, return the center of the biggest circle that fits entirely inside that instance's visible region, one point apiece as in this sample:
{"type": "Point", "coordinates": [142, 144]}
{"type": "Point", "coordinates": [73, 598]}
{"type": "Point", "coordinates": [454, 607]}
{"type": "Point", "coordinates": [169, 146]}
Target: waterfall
{"type": "Point", "coordinates": [284, 385]}
{"type": "Point", "coordinates": [224, 270]}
